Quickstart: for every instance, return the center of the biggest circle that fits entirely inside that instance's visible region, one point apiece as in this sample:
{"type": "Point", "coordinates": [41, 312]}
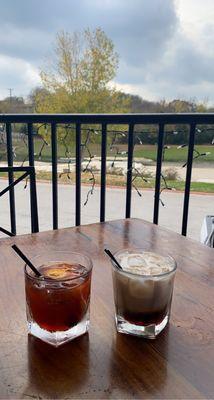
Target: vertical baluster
{"type": "Point", "coordinates": [78, 175]}
{"type": "Point", "coordinates": [188, 178]}
{"type": "Point", "coordinates": [158, 173]}
{"type": "Point", "coordinates": [103, 173]}
{"type": "Point", "coordinates": [10, 178]}
{"type": "Point", "coordinates": [33, 195]}
{"type": "Point", "coordinates": [129, 170]}
{"type": "Point", "coordinates": [54, 175]}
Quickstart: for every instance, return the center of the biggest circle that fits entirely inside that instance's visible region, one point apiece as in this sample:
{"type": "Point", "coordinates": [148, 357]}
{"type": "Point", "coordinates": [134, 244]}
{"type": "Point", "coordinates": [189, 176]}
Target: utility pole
{"type": "Point", "coordinates": [10, 95]}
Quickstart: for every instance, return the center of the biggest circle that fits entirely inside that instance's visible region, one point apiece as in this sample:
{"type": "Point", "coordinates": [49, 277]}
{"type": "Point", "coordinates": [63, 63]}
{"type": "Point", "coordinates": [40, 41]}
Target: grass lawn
{"type": "Point", "coordinates": [148, 151]}
{"type": "Point", "coordinates": [173, 154]}
{"type": "Point", "coordinates": [115, 180]}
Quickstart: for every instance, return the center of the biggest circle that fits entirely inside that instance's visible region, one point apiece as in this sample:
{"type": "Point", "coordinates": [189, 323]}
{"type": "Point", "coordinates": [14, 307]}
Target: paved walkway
{"type": "Point", "coordinates": [202, 172]}
{"type": "Point", "coordinates": [142, 207]}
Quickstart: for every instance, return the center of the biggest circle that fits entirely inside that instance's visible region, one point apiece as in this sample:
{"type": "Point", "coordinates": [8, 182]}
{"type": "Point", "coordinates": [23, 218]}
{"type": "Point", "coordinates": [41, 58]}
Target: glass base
{"type": "Point", "coordinates": [148, 332]}
{"type": "Point", "coordinates": [59, 337]}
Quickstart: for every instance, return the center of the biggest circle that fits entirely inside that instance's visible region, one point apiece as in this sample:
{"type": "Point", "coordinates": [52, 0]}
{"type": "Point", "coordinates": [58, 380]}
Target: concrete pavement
{"type": "Point", "coordinates": [142, 207]}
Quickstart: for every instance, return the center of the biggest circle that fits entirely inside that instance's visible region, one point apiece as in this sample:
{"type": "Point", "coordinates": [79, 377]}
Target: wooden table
{"type": "Point", "coordinates": [179, 364]}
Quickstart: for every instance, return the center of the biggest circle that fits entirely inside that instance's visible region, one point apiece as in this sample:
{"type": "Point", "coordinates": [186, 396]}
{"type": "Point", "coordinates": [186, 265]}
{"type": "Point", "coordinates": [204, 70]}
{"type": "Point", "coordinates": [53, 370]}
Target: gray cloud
{"type": "Point", "coordinates": [139, 28]}
{"type": "Point", "coordinates": [184, 71]}
{"type": "Point", "coordinates": [155, 56]}
{"type": "Point", "coordinates": [142, 37]}
{"type": "Point", "coordinates": [188, 64]}
{"type": "Point", "coordinates": [16, 74]}
{"type": "Point", "coordinates": [27, 44]}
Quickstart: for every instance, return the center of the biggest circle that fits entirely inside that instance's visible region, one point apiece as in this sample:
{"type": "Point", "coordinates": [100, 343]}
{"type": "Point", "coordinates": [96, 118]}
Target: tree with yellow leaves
{"type": "Point", "coordinates": [76, 77]}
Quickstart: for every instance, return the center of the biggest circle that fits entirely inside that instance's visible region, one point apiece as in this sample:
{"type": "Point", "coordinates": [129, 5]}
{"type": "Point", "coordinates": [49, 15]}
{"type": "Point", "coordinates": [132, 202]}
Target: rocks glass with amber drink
{"type": "Point", "coordinates": [58, 301]}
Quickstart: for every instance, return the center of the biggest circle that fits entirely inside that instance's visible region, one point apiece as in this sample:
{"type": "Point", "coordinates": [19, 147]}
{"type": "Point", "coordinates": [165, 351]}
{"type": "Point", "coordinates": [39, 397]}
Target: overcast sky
{"type": "Point", "coordinates": [166, 47]}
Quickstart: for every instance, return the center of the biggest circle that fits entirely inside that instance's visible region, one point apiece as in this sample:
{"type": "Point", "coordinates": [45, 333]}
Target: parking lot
{"type": "Point", "coordinates": [142, 207]}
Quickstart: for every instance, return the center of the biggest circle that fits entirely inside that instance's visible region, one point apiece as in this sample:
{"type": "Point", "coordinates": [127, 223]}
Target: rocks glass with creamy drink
{"type": "Point", "coordinates": [143, 291]}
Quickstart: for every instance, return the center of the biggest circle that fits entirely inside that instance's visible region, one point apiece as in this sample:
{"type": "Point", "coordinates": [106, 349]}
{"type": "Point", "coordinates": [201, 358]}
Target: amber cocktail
{"type": "Point", "coordinates": [58, 301]}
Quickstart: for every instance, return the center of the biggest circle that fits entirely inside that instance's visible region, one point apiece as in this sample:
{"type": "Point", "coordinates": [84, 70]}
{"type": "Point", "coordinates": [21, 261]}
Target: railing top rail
{"type": "Point", "coordinates": [152, 118]}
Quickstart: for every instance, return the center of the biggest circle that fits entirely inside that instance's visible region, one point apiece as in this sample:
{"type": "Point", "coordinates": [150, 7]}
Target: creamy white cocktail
{"type": "Point", "coordinates": [143, 291]}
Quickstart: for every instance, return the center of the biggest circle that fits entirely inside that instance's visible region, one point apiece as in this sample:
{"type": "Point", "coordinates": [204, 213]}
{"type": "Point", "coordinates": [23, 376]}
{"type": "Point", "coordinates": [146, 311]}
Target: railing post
{"type": "Point", "coordinates": [188, 178]}
{"type": "Point", "coordinates": [11, 178]}
{"type": "Point", "coordinates": [158, 173]}
{"type": "Point", "coordinates": [103, 173]}
{"type": "Point", "coordinates": [33, 195]}
{"type": "Point", "coordinates": [78, 175]}
{"type": "Point", "coordinates": [54, 176]}
{"type": "Point", "coordinates": [129, 170]}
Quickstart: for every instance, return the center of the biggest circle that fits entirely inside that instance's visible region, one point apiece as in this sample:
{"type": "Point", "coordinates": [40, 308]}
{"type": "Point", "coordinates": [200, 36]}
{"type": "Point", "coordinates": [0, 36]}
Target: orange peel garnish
{"type": "Point", "coordinates": [57, 273]}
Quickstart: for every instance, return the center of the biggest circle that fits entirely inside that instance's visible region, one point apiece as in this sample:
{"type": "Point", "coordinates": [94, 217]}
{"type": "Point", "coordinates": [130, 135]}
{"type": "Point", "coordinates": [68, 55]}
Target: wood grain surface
{"type": "Point", "coordinates": [179, 364]}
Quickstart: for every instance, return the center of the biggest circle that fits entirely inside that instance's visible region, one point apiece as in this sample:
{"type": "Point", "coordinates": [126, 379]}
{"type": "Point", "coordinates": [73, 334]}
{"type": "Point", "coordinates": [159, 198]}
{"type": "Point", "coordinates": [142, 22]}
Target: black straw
{"type": "Point", "coordinates": [25, 259]}
{"type": "Point", "coordinates": [108, 252]}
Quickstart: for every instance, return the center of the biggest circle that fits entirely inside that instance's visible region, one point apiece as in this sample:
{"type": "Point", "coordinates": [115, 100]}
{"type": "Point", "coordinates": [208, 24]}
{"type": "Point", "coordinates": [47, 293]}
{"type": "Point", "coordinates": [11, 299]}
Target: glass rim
{"type": "Point", "coordinates": [141, 250]}
{"type": "Point", "coordinates": [44, 279]}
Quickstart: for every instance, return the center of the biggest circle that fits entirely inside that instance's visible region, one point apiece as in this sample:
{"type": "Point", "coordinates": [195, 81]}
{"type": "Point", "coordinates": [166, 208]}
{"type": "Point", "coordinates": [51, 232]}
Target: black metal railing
{"type": "Point", "coordinates": [80, 120]}
{"type": "Point", "coordinates": [28, 171]}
